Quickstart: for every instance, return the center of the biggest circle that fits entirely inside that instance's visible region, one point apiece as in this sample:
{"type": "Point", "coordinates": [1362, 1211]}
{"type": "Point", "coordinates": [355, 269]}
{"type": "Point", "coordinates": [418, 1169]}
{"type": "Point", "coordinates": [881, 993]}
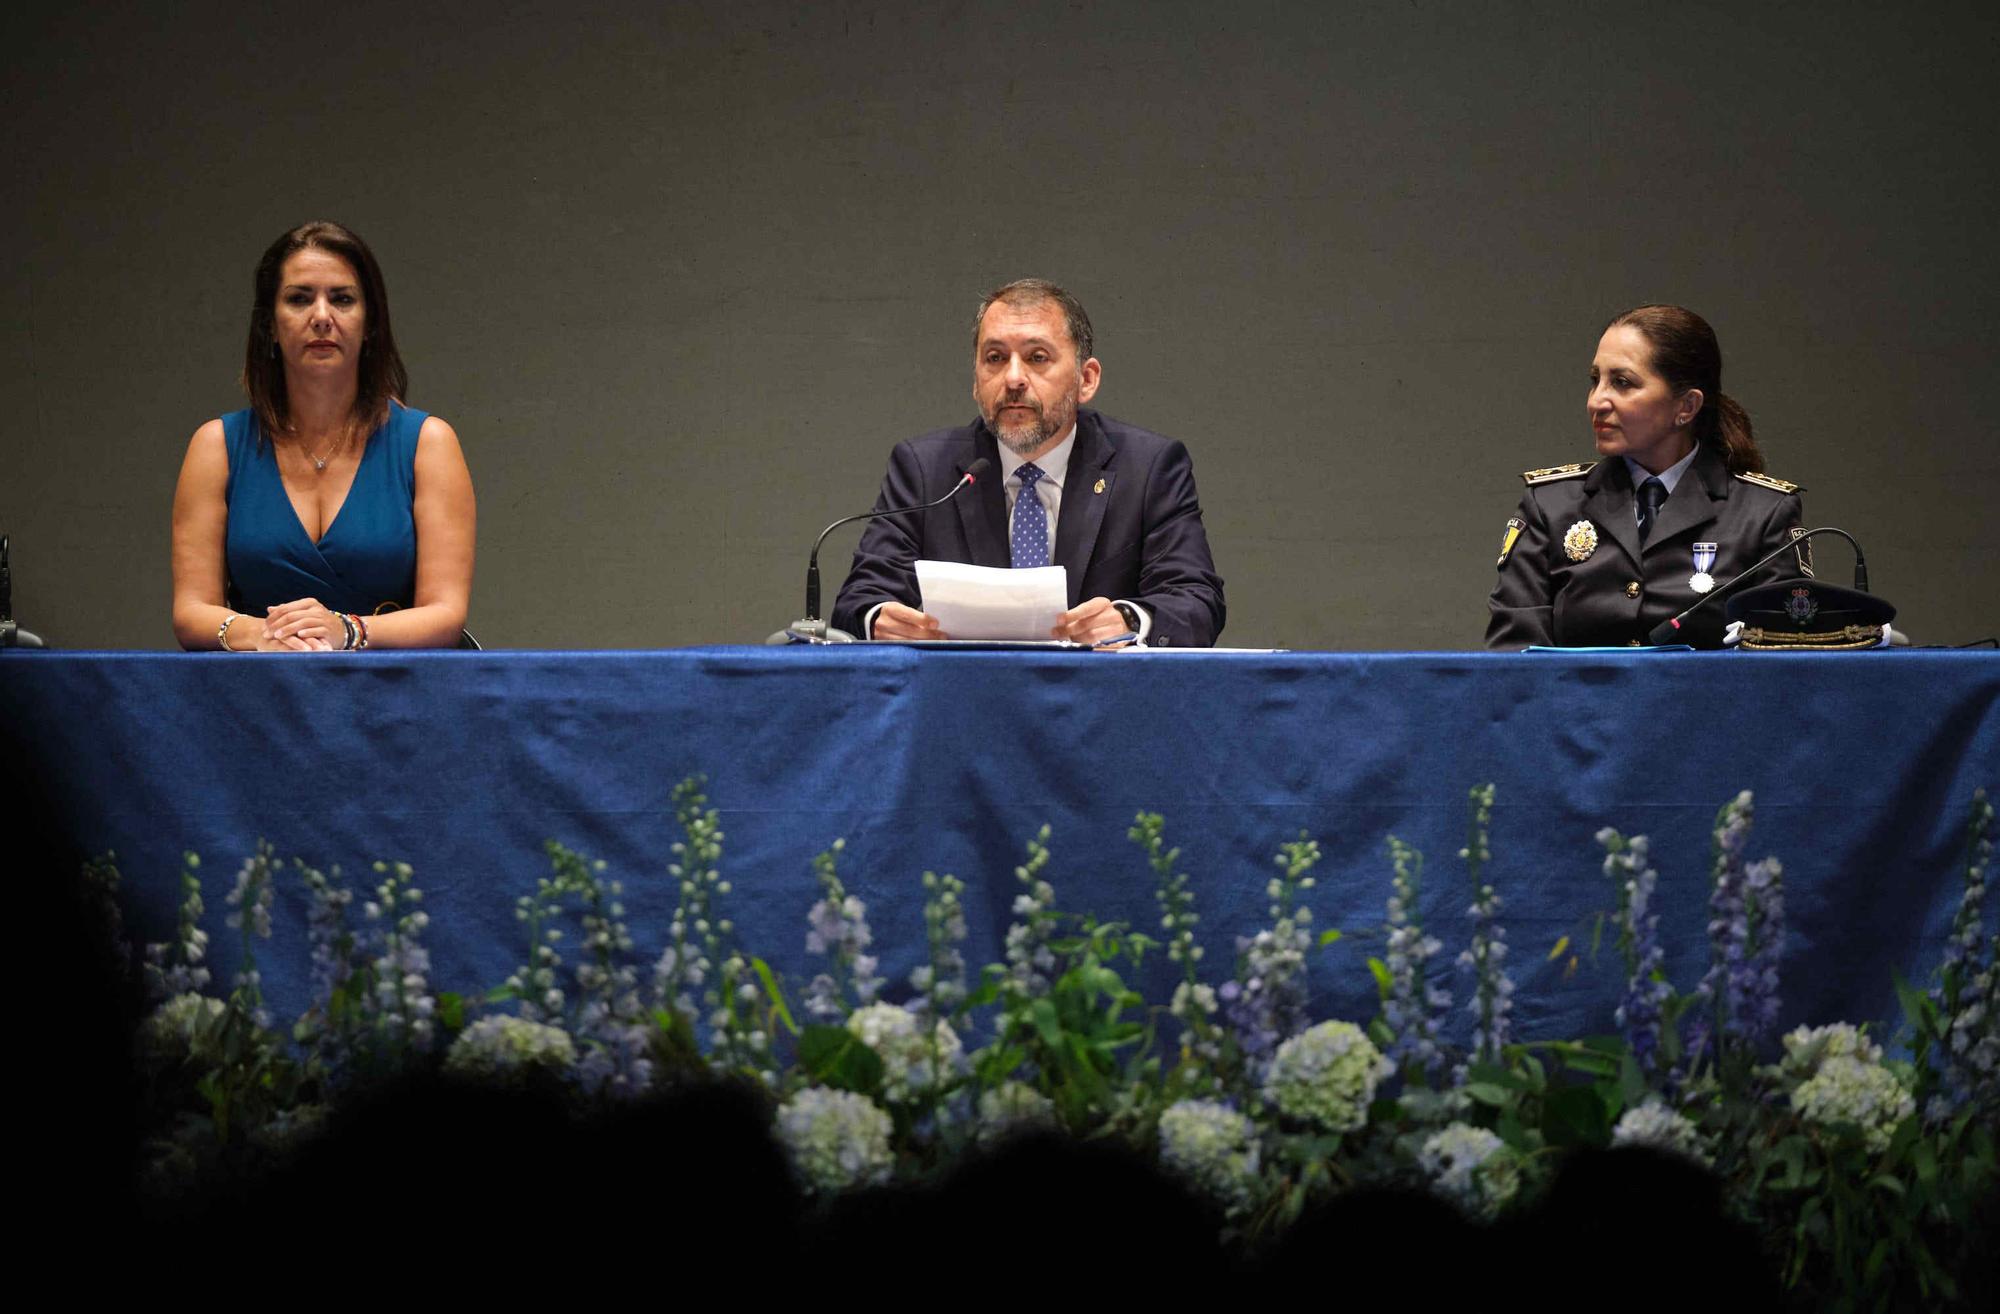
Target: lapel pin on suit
{"type": "Point", "coordinates": [1098, 487]}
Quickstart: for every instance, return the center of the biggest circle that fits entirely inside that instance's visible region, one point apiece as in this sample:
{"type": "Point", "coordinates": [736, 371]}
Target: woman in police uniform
{"type": "Point", "coordinates": [1601, 552]}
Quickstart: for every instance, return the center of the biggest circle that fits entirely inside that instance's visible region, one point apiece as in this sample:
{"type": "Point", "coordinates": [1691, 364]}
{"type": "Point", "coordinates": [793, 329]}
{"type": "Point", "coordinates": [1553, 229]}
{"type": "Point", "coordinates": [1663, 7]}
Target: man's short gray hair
{"type": "Point", "coordinates": [1035, 292]}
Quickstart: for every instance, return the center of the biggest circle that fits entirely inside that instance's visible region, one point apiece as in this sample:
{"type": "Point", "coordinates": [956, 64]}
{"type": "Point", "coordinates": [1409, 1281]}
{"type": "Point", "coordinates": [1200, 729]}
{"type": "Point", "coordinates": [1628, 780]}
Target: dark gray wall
{"type": "Point", "coordinates": [681, 274]}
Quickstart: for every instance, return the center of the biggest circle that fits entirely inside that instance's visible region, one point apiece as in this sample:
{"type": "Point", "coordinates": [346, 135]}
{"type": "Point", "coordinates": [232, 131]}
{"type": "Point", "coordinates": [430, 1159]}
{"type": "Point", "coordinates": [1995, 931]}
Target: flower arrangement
{"type": "Point", "coordinates": [1852, 1162]}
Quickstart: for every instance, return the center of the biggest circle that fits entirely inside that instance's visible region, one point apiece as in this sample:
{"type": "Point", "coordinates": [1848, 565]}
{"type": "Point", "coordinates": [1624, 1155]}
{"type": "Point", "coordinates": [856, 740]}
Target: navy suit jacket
{"type": "Point", "coordinates": [1130, 526]}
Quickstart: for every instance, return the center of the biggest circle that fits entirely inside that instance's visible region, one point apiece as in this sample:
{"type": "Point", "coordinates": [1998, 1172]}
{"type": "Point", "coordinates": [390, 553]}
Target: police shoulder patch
{"type": "Point", "coordinates": [1513, 531]}
{"type": "Point", "coordinates": [1766, 481]}
{"type": "Point", "coordinates": [1543, 476]}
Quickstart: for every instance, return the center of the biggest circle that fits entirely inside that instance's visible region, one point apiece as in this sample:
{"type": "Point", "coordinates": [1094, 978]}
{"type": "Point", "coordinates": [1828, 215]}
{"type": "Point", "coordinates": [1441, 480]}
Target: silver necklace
{"type": "Point", "coordinates": [319, 462]}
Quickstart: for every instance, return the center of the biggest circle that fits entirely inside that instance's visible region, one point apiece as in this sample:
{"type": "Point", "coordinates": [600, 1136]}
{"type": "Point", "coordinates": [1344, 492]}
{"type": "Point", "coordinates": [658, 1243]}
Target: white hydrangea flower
{"type": "Point", "coordinates": [505, 1048]}
{"type": "Point", "coordinates": [1472, 1167]}
{"type": "Point", "coordinates": [837, 1139]}
{"type": "Point", "coordinates": [1214, 1147]}
{"type": "Point", "coordinates": [175, 1027]}
{"type": "Point", "coordinates": [912, 1065]}
{"type": "Point", "coordinates": [1849, 1091]}
{"type": "Point", "coordinates": [1011, 1107]}
{"type": "Point", "coordinates": [1327, 1075]}
{"type": "Point", "coordinates": [1655, 1126]}
{"type": "Point", "coordinates": [1807, 1047]}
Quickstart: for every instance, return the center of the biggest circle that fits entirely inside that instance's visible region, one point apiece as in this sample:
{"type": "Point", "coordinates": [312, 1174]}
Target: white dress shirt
{"type": "Point", "coordinates": [1054, 465]}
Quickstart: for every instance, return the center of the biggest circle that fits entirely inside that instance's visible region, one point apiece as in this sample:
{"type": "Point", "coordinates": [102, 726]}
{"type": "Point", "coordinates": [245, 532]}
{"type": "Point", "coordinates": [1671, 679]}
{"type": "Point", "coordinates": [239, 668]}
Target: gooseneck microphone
{"type": "Point", "coordinates": [812, 628]}
{"type": "Point", "coordinates": [11, 635]}
{"type": "Point", "coordinates": [1667, 631]}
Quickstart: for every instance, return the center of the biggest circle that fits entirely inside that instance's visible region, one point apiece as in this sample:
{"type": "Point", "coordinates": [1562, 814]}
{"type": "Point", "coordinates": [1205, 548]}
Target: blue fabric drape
{"type": "Point", "coordinates": [463, 763]}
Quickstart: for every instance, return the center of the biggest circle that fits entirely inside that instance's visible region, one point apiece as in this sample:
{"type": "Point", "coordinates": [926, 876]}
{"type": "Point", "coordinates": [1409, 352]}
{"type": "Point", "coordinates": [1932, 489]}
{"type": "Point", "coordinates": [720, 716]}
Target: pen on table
{"type": "Point", "coordinates": [1129, 636]}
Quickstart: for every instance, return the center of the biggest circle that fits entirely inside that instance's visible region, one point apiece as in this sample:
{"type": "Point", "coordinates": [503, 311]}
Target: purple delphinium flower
{"type": "Point", "coordinates": [1193, 1004]}
{"type": "Point", "coordinates": [327, 1030]}
{"type": "Point", "coordinates": [1415, 1006]}
{"type": "Point", "coordinates": [1029, 957]}
{"type": "Point", "coordinates": [401, 1008]}
{"type": "Point", "coordinates": [1640, 1011]}
{"type": "Point", "coordinates": [837, 927]}
{"type": "Point", "coordinates": [940, 982]}
{"type": "Point", "coordinates": [175, 968]}
{"type": "Point", "coordinates": [1967, 993]}
{"type": "Point", "coordinates": [611, 1025]}
{"type": "Point", "coordinates": [327, 933]}
{"type": "Point", "coordinates": [1266, 1004]}
{"type": "Point", "coordinates": [249, 901]}
{"type": "Point", "coordinates": [1745, 930]}
{"type": "Point", "coordinates": [1493, 990]}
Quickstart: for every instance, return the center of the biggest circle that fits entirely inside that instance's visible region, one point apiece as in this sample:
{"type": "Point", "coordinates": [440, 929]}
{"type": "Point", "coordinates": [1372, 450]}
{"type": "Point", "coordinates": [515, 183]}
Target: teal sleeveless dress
{"type": "Point", "coordinates": [365, 562]}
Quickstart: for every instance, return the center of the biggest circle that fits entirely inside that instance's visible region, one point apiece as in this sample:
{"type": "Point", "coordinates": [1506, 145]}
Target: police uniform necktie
{"type": "Point", "coordinates": [1028, 538]}
{"type": "Point", "coordinates": [1651, 494]}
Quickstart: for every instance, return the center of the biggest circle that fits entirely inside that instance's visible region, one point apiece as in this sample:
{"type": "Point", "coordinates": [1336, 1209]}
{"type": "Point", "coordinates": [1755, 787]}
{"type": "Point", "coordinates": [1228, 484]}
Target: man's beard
{"type": "Point", "coordinates": [1024, 436]}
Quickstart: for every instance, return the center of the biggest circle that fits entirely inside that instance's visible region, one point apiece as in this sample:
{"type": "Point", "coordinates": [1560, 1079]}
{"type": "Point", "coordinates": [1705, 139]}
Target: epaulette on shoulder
{"type": "Point", "coordinates": [1765, 481]}
{"type": "Point", "coordinates": [1570, 471]}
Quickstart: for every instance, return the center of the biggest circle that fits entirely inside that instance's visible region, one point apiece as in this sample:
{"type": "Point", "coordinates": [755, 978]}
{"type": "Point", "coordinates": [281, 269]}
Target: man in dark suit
{"type": "Point", "coordinates": [1113, 504]}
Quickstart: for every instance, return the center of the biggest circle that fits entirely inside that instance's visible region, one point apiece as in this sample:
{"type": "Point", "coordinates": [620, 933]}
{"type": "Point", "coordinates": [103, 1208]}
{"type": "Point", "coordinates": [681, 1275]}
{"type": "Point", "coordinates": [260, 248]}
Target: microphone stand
{"type": "Point", "coordinates": [11, 635]}
{"type": "Point", "coordinates": [811, 628]}
{"type": "Point", "coordinates": [1665, 631]}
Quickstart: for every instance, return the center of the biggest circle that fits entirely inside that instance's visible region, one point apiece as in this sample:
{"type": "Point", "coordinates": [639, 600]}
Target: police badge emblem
{"type": "Point", "coordinates": [1580, 541]}
{"type": "Point", "coordinates": [1802, 606]}
{"type": "Point", "coordinates": [1704, 559]}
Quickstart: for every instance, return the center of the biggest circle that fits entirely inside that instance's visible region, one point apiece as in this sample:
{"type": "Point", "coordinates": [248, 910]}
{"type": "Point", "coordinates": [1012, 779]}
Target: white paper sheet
{"type": "Point", "coordinates": [985, 602]}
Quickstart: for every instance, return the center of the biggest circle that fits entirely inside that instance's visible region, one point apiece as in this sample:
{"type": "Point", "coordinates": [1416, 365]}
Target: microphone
{"type": "Point", "coordinates": [1667, 631]}
{"type": "Point", "coordinates": [11, 635]}
{"type": "Point", "coordinates": [812, 628]}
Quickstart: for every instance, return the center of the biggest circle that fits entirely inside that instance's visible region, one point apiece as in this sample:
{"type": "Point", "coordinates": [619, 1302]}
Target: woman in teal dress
{"type": "Point", "coordinates": [327, 515]}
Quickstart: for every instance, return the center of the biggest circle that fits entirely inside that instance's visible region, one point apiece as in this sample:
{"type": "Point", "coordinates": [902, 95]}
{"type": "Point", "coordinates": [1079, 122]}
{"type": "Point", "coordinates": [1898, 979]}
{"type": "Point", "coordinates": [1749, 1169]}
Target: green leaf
{"type": "Point", "coordinates": [1486, 1092]}
{"type": "Point", "coordinates": [1917, 1007]}
{"type": "Point", "coordinates": [1329, 937]}
{"type": "Point", "coordinates": [1575, 1116]}
{"type": "Point", "coordinates": [836, 1057]}
{"type": "Point", "coordinates": [779, 1009]}
{"type": "Point", "coordinates": [1042, 1014]}
{"type": "Point", "coordinates": [1597, 1065]}
{"type": "Point", "coordinates": [1924, 1159]}
{"type": "Point", "coordinates": [451, 1010]}
{"type": "Point", "coordinates": [1383, 981]}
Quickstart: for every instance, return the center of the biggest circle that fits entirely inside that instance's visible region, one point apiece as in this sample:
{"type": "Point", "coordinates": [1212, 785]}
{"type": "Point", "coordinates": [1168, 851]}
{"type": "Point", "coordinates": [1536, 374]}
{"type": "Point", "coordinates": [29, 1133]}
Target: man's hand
{"type": "Point", "coordinates": [895, 621]}
{"type": "Point", "coordinates": [1090, 622]}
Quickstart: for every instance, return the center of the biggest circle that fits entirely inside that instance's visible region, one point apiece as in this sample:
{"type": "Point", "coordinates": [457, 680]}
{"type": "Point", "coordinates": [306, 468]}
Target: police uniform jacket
{"type": "Point", "coordinates": [1572, 573]}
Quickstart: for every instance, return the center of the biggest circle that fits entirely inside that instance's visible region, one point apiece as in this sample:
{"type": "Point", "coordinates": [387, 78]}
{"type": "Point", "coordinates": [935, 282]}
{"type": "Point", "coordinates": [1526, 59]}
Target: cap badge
{"type": "Point", "coordinates": [1580, 541]}
{"type": "Point", "coordinates": [1704, 560]}
{"type": "Point", "coordinates": [1802, 606]}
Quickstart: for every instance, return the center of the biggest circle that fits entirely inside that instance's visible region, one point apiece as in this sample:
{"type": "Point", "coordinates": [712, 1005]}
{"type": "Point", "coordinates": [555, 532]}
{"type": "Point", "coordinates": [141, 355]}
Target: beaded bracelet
{"type": "Point", "coordinates": [347, 627]}
{"type": "Point", "coordinates": [361, 623]}
{"type": "Point", "coordinates": [222, 632]}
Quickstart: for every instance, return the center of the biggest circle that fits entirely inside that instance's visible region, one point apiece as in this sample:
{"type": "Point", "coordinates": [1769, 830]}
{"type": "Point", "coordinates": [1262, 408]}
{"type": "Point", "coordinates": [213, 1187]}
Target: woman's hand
{"type": "Point", "coordinates": [304, 625]}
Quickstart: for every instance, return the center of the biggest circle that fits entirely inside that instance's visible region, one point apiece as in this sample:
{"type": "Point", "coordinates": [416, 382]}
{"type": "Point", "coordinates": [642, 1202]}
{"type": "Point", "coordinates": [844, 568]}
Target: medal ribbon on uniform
{"type": "Point", "coordinates": [1704, 557]}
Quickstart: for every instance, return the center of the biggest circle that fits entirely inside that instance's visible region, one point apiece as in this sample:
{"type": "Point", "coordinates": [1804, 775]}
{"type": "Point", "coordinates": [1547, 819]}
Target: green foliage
{"type": "Point", "coordinates": [1856, 1214]}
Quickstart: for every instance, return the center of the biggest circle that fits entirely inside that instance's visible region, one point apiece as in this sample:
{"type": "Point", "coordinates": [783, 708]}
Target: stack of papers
{"type": "Point", "coordinates": [985, 602]}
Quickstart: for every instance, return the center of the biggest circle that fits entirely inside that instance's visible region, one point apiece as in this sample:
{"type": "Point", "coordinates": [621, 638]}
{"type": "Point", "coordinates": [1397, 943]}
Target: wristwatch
{"type": "Point", "coordinates": [1131, 615]}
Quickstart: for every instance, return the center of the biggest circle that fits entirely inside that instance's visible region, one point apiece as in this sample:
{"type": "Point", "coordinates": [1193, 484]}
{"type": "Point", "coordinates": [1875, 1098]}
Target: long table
{"type": "Point", "coordinates": [462, 764]}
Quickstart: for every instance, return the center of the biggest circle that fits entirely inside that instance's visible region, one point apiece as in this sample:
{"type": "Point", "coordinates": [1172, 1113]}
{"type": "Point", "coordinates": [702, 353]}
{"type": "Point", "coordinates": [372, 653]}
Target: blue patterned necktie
{"type": "Point", "coordinates": [1028, 538]}
{"type": "Point", "coordinates": [1651, 494]}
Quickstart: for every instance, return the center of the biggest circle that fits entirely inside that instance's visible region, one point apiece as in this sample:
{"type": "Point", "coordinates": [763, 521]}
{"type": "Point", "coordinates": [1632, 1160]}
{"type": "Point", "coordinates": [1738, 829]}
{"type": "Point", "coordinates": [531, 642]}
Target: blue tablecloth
{"type": "Point", "coordinates": [463, 763]}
